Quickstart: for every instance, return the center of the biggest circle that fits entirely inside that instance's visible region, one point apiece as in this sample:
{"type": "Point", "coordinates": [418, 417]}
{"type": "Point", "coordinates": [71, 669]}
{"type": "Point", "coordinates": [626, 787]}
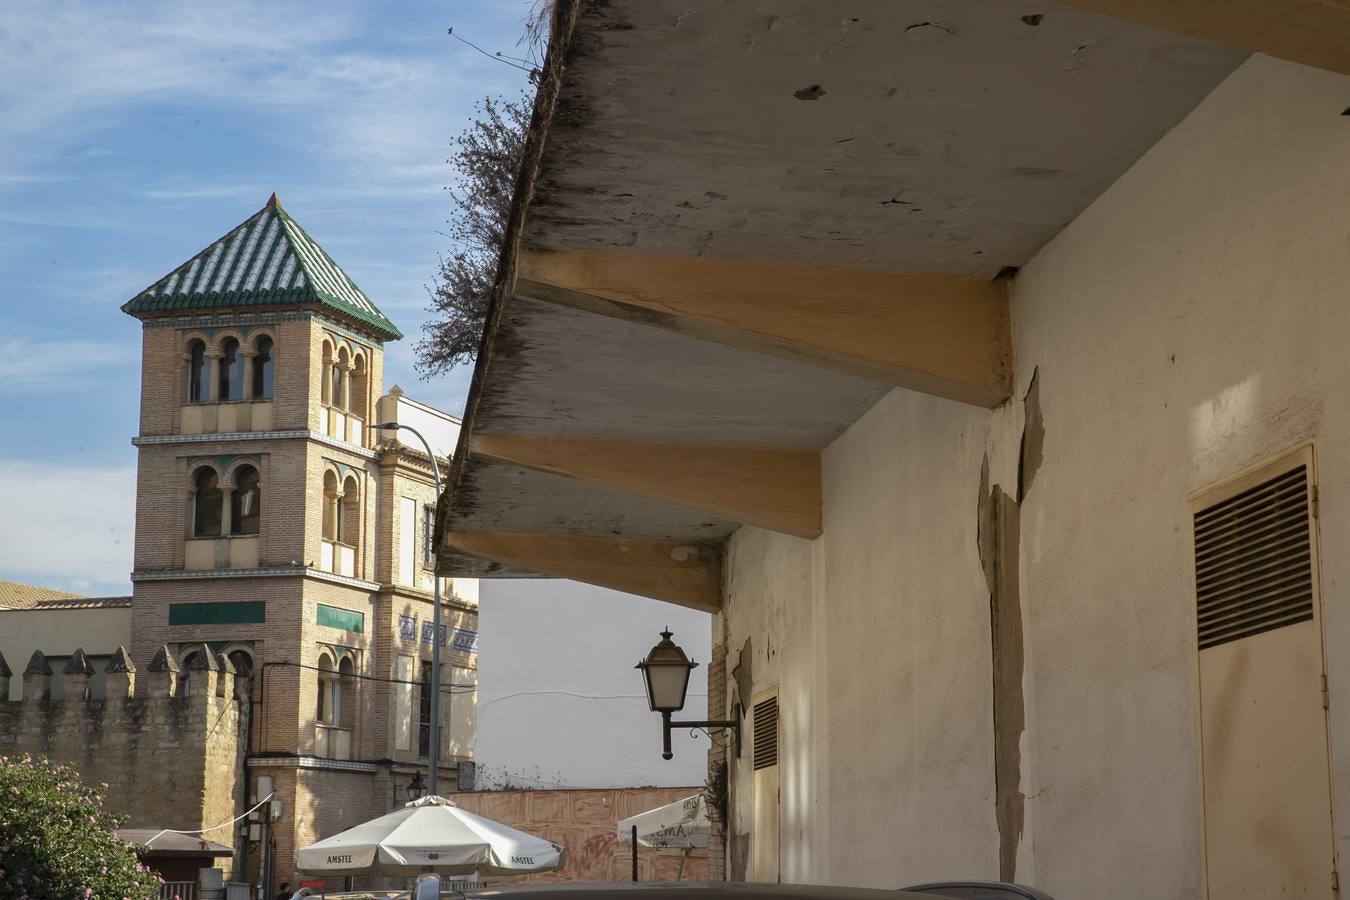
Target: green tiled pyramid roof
{"type": "Point", "coordinates": [269, 260]}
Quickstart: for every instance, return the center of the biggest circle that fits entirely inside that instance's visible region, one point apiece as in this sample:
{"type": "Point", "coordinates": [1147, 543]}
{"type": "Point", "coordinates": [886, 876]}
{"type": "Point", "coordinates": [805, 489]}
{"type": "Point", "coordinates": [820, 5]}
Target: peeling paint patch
{"type": "Point", "coordinates": [813, 92]}
{"type": "Point", "coordinates": [1033, 20]}
{"type": "Point", "coordinates": [743, 674]}
{"type": "Point", "coordinates": [1078, 58]}
{"type": "Point", "coordinates": [1033, 437]}
{"type": "Point", "coordinates": [740, 857]}
{"type": "Point", "coordinates": [999, 541]}
{"type": "Point", "coordinates": [927, 33]}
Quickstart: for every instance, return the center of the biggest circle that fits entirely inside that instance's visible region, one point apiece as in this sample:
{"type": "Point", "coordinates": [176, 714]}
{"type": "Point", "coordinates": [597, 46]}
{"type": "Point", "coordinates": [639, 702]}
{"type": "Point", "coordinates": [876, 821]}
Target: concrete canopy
{"type": "Point", "coordinates": [874, 174]}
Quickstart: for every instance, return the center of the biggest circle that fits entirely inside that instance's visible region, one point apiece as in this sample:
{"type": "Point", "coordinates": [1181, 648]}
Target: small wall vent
{"type": "Point", "coordinates": [1253, 560]}
{"type": "Point", "coordinates": [766, 733]}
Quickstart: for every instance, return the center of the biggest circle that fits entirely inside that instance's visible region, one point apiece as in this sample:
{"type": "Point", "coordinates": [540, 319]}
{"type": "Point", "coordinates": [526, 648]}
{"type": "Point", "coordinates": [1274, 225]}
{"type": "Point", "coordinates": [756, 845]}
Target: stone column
{"type": "Point", "coordinates": [245, 356]}
{"type": "Point", "coordinates": [213, 375]}
{"type": "Point", "coordinates": [346, 403]}
{"type": "Point", "coordinates": [5, 676]}
{"type": "Point", "coordinates": [226, 509]}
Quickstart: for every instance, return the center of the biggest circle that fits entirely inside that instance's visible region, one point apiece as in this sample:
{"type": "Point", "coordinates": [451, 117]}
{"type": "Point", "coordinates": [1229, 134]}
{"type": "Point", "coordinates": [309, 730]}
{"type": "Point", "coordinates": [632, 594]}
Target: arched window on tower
{"type": "Point", "coordinates": [341, 384]}
{"type": "Point", "coordinates": [326, 375]}
{"type": "Point", "coordinates": [206, 503]}
{"type": "Point", "coordinates": [344, 705]}
{"type": "Point", "coordinates": [332, 507]}
{"type": "Point", "coordinates": [327, 690]}
{"type": "Point", "coordinates": [246, 501]}
{"type": "Point", "coordinates": [358, 387]}
{"type": "Point", "coordinates": [198, 372]}
{"type": "Point", "coordinates": [349, 526]}
{"type": "Point", "coordinates": [231, 371]}
{"type": "Point", "coordinates": [263, 368]}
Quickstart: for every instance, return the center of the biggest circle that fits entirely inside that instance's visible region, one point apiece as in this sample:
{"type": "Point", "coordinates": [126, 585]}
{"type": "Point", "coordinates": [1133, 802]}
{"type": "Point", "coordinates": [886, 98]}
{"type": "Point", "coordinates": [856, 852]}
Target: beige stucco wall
{"type": "Point", "coordinates": [59, 632]}
{"type": "Point", "coordinates": [1190, 323]}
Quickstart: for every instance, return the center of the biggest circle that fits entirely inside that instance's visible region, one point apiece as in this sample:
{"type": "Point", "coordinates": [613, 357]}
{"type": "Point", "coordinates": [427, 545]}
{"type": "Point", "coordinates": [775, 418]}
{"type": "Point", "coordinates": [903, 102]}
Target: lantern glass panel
{"type": "Point", "coordinates": [666, 686]}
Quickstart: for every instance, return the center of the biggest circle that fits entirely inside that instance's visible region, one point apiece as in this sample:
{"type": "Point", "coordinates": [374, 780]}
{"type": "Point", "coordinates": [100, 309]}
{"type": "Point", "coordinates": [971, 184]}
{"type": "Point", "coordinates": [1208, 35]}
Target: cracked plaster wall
{"type": "Point", "coordinates": [1187, 324]}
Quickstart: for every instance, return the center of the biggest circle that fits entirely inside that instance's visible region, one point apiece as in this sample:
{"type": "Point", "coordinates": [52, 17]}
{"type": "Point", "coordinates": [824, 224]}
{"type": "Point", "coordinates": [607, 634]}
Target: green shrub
{"type": "Point", "coordinates": [57, 842]}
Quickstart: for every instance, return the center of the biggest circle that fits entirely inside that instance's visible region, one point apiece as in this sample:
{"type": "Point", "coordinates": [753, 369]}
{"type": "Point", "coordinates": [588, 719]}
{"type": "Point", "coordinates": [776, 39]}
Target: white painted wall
{"type": "Point", "coordinates": [59, 632]}
{"type": "Point", "coordinates": [439, 428]}
{"type": "Point", "coordinates": [1193, 321]}
{"type": "Point", "coordinates": [559, 702]}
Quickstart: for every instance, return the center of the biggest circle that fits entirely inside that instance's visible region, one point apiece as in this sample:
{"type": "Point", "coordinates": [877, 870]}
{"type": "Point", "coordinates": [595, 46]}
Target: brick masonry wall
{"type": "Point", "coordinates": [717, 754]}
{"type": "Point", "coordinates": [586, 822]}
{"type": "Point", "coordinates": [169, 762]}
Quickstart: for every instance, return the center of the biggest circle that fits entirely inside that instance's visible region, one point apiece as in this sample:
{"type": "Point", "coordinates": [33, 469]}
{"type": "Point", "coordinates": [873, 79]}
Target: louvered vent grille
{"type": "Point", "coordinates": [1253, 561]}
{"type": "Point", "coordinates": [766, 733]}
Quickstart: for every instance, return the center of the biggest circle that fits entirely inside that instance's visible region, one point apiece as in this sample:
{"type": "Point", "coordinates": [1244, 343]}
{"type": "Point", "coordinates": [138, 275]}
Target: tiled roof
{"type": "Point", "coordinates": [85, 603]}
{"type": "Point", "coordinates": [268, 260]}
{"type": "Point", "coordinates": [14, 595]}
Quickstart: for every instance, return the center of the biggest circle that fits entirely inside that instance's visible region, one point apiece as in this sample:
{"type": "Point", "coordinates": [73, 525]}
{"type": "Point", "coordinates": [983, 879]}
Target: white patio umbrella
{"type": "Point", "coordinates": [430, 835]}
{"type": "Point", "coordinates": [682, 824]}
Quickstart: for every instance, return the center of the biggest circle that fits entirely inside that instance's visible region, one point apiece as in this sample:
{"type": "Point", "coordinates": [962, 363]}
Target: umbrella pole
{"type": "Point", "coordinates": [635, 878]}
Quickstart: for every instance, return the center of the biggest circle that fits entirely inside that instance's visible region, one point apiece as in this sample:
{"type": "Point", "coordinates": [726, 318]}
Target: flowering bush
{"type": "Point", "coordinates": [57, 842]}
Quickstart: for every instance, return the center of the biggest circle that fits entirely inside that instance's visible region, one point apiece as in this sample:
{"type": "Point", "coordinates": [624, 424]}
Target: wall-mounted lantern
{"type": "Point", "coordinates": [416, 788]}
{"type": "Point", "coordinates": [666, 674]}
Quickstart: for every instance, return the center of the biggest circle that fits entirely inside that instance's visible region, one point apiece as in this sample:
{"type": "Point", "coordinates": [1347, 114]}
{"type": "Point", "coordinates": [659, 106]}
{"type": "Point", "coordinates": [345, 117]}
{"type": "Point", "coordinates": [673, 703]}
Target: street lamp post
{"type": "Point", "coordinates": [666, 674]}
{"type": "Point", "coordinates": [434, 762]}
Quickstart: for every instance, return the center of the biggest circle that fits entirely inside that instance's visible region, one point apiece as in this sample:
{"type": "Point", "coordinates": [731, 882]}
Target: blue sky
{"type": "Point", "coordinates": [137, 133]}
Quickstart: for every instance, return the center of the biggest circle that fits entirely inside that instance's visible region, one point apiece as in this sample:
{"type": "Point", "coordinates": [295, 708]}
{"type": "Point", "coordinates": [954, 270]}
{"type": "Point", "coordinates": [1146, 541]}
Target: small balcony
{"type": "Point", "coordinates": [225, 417]}
{"type": "Point", "coordinates": [338, 558]}
{"type": "Point", "coordinates": [343, 425]}
{"type": "Point", "coordinates": [332, 742]}
{"type": "Point", "coordinates": [232, 552]}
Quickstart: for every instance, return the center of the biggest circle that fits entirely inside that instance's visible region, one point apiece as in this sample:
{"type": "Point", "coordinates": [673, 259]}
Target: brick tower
{"type": "Point", "coordinates": [275, 527]}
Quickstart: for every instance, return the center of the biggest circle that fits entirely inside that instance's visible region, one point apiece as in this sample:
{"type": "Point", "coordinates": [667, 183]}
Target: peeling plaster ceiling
{"type": "Point", "coordinates": [950, 137]}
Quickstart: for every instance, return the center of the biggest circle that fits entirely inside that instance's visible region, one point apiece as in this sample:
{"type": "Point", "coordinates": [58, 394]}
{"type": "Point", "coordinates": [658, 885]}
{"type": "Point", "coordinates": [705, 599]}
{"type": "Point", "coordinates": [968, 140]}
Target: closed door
{"type": "Point", "coordinates": [764, 837]}
{"type": "Point", "coordinates": [1263, 725]}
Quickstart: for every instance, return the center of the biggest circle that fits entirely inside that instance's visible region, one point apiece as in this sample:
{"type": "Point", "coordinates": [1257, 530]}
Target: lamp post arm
{"type": "Point", "coordinates": [667, 724]}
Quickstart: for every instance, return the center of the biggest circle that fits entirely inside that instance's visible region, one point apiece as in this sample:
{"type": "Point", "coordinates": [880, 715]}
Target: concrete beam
{"type": "Point", "coordinates": [942, 335]}
{"type": "Point", "coordinates": [1311, 32]}
{"type": "Point", "coordinates": [774, 489]}
{"type": "Point", "coordinates": [679, 572]}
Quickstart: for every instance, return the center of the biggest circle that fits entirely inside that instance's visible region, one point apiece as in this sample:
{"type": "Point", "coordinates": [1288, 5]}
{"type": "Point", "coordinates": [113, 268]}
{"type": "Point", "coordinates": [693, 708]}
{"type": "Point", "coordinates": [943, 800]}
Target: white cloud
{"type": "Point", "coordinates": [387, 115]}
{"type": "Point", "coordinates": [29, 364]}
{"type": "Point", "coordinates": [69, 528]}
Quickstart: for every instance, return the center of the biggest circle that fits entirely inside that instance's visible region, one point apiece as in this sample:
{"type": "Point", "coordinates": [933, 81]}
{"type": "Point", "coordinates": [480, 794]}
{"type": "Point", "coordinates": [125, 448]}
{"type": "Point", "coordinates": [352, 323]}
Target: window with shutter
{"type": "Point", "coordinates": [766, 733]}
{"type": "Point", "coordinates": [1253, 561]}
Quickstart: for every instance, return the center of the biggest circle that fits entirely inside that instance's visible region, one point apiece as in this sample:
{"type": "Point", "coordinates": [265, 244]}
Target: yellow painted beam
{"type": "Point", "coordinates": [774, 489]}
{"type": "Point", "coordinates": [942, 335]}
{"type": "Point", "coordinates": [680, 572]}
{"type": "Point", "coordinates": [1312, 32]}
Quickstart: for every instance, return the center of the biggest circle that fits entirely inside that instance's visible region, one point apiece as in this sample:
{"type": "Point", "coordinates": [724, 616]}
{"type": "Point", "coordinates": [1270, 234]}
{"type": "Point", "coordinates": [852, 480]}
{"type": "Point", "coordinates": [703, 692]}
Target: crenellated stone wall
{"type": "Point", "coordinates": [168, 745]}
